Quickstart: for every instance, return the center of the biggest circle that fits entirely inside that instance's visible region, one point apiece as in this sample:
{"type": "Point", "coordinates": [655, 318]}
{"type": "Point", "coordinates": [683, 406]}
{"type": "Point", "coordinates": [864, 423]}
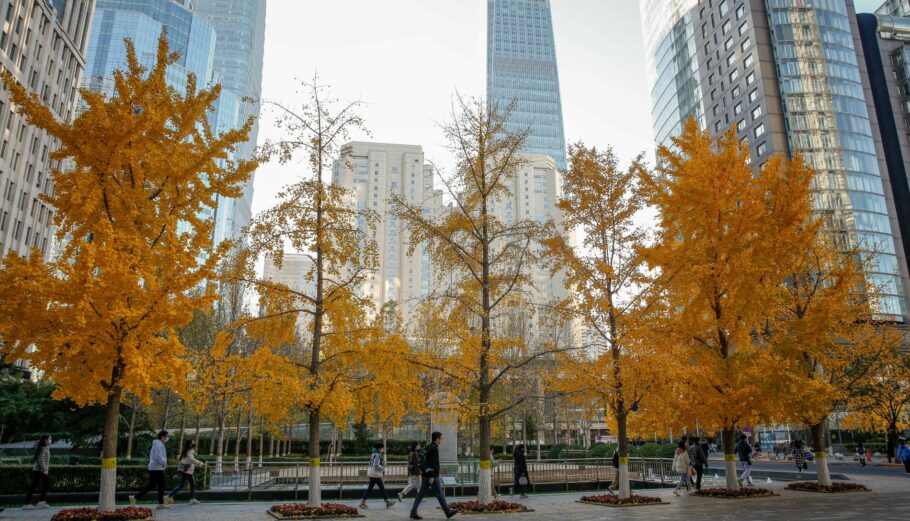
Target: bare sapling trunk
{"type": "Point", "coordinates": [730, 459]}
{"type": "Point", "coordinates": [219, 445]}
{"type": "Point", "coordinates": [249, 440]}
{"type": "Point", "coordinates": [821, 460]}
{"type": "Point", "coordinates": [129, 438]}
{"type": "Point", "coordinates": [237, 439]}
{"type": "Point", "coordinates": [108, 489]}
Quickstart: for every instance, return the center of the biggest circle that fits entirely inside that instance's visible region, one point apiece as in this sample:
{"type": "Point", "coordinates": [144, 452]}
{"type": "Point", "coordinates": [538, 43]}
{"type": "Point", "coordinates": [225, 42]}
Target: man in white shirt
{"type": "Point", "coordinates": [157, 464]}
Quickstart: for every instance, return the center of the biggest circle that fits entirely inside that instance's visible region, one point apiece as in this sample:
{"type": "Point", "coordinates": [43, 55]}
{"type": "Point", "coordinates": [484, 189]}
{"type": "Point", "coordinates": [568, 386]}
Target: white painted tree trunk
{"type": "Point", "coordinates": [731, 472]}
{"type": "Point", "coordinates": [315, 484]}
{"type": "Point", "coordinates": [485, 482]}
{"type": "Point", "coordinates": [107, 500]}
{"type": "Point", "coordinates": [219, 464]}
{"type": "Point", "coordinates": [821, 467]}
{"type": "Point", "coordinates": [625, 485]}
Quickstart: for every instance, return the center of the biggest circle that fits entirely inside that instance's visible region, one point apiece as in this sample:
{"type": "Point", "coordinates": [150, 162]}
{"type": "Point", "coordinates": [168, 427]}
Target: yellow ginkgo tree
{"type": "Point", "coordinates": [725, 243]}
{"type": "Point", "coordinates": [100, 318]}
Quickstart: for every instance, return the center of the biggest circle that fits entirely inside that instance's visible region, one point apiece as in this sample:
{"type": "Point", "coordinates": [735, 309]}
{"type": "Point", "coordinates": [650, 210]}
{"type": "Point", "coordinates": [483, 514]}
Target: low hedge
{"type": "Point", "coordinates": [15, 479]}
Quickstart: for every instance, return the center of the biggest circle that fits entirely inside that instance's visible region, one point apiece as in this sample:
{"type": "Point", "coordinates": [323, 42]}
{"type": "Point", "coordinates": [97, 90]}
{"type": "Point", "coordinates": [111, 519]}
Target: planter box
{"type": "Point", "coordinates": [622, 505]}
{"type": "Point", "coordinates": [348, 516]}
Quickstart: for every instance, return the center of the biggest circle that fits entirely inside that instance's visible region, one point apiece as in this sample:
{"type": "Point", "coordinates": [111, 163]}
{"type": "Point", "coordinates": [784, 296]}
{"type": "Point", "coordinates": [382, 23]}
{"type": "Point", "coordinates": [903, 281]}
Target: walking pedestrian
{"type": "Point", "coordinates": [185, 468]}
{"type": "Point", "coordinates": [681, 464]}
{"type": "Point", "coordinates": [430, 478]}
{"type": "Point", "coordinates": [861, 454]}
{"type": "Point", "coordinates": [157, 464]}
{"type": "Point", "coordinates": [40, 467]}
{"type": "Point", "coordinates": [413, 472]}
{"type": "Point", "coordinates": [520, 471]}
{"type": "Point", "coordinates": [375, 473]}
{"type": "Point", "coordinates": [799, 455]}
{"type": "Point", "coordinates": [698, 459]}
{"type": "Point", "coordinates": [744, 452]}
{"type": "Point", "coordinates": [707, 450]}
{"type": "Point", "coordinates": [903, 455]}
{"type": "Point", "coordinates": [614, 485]}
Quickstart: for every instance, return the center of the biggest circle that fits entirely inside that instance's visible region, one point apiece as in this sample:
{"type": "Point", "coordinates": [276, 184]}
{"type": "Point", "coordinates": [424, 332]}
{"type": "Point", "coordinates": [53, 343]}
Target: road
{"type": "Point", "coordinates": [849, 468]}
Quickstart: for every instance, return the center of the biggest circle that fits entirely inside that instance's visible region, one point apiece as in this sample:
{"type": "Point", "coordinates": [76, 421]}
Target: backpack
{"type": "Point", "coordinates": [422, 460]}
{"type": "Point", "coordinates": [903, 453]}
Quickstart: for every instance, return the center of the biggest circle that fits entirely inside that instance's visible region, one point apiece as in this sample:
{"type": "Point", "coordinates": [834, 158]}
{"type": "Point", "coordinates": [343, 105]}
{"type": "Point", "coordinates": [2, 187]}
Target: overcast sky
{"type": "Point", "coordinates": [406, 58]}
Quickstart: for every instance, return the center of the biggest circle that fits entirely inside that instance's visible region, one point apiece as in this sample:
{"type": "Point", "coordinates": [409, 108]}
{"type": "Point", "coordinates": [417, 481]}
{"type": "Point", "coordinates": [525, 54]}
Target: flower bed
{"type": "Point", "coordinates": [612, 500]}
{"type": "Point", "coordinates": [744, 492]}
{"type": "Point", "coordinates": [496, 507]}
{"type": "Point", "coordinates": [304, 511]}
{"type": "Point", "coordinates": [92, 514]}
{"type": "Point", "coordinates": [813, 486]}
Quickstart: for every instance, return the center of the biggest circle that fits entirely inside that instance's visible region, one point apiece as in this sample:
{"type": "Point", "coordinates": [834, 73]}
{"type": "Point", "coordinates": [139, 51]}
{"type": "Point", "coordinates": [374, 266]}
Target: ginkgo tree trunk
{"type": "Point", "coordinates": [102, 315]}
{"type": "Point", "coordinates": [725, 243]}
{"type": "Point", "coordinates": [488, 261]}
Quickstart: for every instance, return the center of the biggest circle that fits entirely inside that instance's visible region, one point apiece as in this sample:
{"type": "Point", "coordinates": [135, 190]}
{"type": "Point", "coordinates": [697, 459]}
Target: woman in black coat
{"type": "Point", "coordinates": [520, 470]}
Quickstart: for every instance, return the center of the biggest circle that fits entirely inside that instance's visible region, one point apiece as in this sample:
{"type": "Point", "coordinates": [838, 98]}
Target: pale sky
{"type": "Point", "coordinates": [406, 58]}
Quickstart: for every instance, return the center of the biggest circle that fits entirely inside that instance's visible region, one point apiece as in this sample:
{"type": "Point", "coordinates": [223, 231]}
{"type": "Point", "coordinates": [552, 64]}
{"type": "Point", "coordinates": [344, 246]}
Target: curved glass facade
{"type": "Point", "coordinates": [828, 123]}
{"type": "Point", "coordinates": [521, 66]}
{"type": "Point", "coordinates": [672, 65]}
{"type": "Point", "coordinates": [142, 21]}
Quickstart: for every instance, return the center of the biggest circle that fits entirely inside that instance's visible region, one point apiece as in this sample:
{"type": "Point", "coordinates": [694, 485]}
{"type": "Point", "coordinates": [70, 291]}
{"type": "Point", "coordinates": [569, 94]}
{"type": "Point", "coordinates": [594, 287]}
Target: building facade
{"type": "Point", "coordinates": [790, 77]}
{"type": "Point", "coordinates": [194, 29]}
{"type": "Point", "coordinates": [373, 172]}
{"type": "Point", "coordinates": [43, 46]}
{"type": "Point", "coordinates": [239, 49]}
{"type": "Point", "coordinates": [521, 67]}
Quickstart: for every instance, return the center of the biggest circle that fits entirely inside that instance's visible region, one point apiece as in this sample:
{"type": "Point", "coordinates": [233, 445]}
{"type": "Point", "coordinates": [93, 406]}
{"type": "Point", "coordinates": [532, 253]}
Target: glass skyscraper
{"type": "Point", "coordinates": [786, 75]}
{"type": "Point", "coordinates": [521, 66]}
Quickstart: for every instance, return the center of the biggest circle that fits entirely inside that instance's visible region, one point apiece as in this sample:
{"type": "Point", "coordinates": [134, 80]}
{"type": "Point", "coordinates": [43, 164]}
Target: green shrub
{"type": "Point", "coordinates": [16, 479]}
{"type": "Point", "coordinates": [602, 450]}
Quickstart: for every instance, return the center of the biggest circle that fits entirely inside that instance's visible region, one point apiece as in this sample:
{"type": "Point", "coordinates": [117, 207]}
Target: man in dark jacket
{"type": "Point", "coordinates": [430, 478]}
{"type": "Point", "coordinates": [698, 459]}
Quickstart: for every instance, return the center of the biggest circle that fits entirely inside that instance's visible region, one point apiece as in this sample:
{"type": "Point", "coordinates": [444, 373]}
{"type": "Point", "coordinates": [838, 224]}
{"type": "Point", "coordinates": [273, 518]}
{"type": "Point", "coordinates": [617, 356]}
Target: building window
{"type": "Point", "coordinates": [717, 128]}
{"type": "Point", "coordinates": [753, 96]}
{"type": "Point", "coordinates": [711, 79]}
{"type": "Point", "coordinates": [726, 27]}
{"type": "Point", "coordinates": [740, 125]}
{"type": "Point", "coordinates": [734, 75]}
{"type": "Point", "coordinates": [740, 11]}
{"type": "Point", "coordinates": [713, 96]}
{"type": "Point", "coordinates": [756, 113]}
{"type": "Point", "coordinates": [724, 8]}
{"type": "Point", "coordinates": [745, 45]}
{"type": "Point", "coordinates": [750, 78]}
{"type": "Point", "coordinates": [714, 111]}
{"type": "Point", "coordinates": [734, 92]}
{"type": "Point", "coordinates": [738, 109]}
{"type": "Point", "coordinates": [731, 59]}
{"type": "Point", "coordinates": [728, 44]}
{"type": "Point", "coordinates": [748, 61]}
{"type": "Point", "coordinates": [761, 149]}
{"type": "Point", "coordinates": [743, 28]}
{"type": "Point", "coordinates": [759, 130]}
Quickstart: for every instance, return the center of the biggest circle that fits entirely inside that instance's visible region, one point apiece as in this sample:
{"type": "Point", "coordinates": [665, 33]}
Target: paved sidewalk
{"type": "Point", "coordinates": [888, 500]}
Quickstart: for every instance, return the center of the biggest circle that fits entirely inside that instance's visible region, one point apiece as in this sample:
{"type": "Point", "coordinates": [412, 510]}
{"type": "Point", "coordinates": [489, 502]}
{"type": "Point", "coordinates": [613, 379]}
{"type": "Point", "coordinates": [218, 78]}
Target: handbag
{"type": "Point", "coordinates": [182, 468]}
{"type": "Point", "coordinates": [523, 480]}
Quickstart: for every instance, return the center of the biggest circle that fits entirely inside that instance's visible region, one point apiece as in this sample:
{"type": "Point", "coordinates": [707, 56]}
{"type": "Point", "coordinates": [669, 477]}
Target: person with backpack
{"type": "Point", "coordinates": [799, 456]}
{"type": "Point", "coordinates": [375, 473]}
{"type": "Point", "coordinates": [430, 478]}
{"type": "Point", "coordinates": [40, 468]}
{"type": "Point", "coordinates": [185, 468]}
{"type": "Point", "coordinates": [744, 451]}
{"type": "Point", "coordinates": [903, 454]}
{"type": "Point", "coordinates": [157, 464]}
{"type": "Point", "coordinates": [413, 472]}
{"type": "Point", "coordinates": [698, 460]}
{"type": "Point", "coordinates": [520, 471]}
{"type": "Point", "coordinates": [861, 454]}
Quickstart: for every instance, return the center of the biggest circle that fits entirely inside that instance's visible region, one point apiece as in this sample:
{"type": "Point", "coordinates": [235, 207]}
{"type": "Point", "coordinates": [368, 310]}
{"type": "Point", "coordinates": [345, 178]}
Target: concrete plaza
{"type": "Point", "coordinates": [888, 500]}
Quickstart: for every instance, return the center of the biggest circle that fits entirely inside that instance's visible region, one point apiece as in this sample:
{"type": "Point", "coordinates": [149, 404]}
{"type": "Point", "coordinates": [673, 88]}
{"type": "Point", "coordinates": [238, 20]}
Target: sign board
{"type": "Point", "coordinates": [448, 481]}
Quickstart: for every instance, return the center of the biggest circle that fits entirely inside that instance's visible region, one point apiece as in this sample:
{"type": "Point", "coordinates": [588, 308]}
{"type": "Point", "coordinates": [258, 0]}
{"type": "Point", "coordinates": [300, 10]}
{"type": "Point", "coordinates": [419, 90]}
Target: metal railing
{"type": "Point", "coordinates": [353, 474]}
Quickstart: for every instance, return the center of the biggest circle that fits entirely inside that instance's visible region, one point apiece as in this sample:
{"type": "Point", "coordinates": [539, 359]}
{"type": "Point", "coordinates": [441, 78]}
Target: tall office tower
{"type": "Point", "coordinates": [521, 66]}
{"type": "Point", "coordinates": [42, 45]}
{"type": "Point", "coordinates": [886, 45]}
{"type": "Point", "coordinates": [894, 8]}
{"type": "Point", "coordinates": [240, 26]}
{"type": "Point", "coordinates": [672, 65]}
{"type": "Point", "coordinates": [373, 172]}
{"type": "Point", "coordinates": [790, 76]}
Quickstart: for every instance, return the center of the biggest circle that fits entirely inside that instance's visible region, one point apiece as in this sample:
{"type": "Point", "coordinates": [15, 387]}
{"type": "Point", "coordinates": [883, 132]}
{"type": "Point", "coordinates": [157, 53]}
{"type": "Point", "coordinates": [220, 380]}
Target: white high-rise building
{"type": "Point", "coordinates": [373, 172]}
{"type": "Point", "coordinates": [42, 44]}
